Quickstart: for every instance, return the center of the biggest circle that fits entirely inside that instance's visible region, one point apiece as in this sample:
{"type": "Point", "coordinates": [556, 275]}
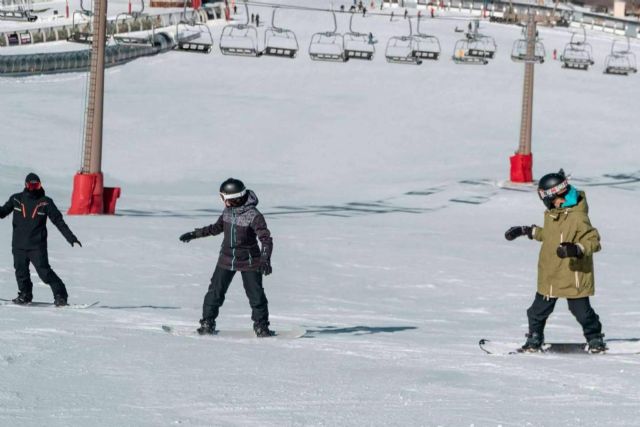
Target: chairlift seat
{"type": "Point", "coordinates": [17, 15]}
{"type": "Point", "coordinates": [479, 53]}
{"type": "Point", "coordinates": [239, 40]}
{"type": "Point", "coordinates": [138, 41]}
{"type": "Point", "coordinates": [620, 71]}
{"type": "Point", "coordinates": [193, 46]}
{"type": "Point", "coordinates": [423, 54]}
{"type": "Point", "coordinates": [326, 47]}
{"type": "Point", "coordinates": [399, 59]}
{"type": "Point", "coordinates": [466, 59]}
{"type": "Point", "coordinates": [358, 54]}
{"type": "Point", "coordinates": [280, 51]}
{"type": "Point", "coordinates": [576, 63]}
{"type": "Point", "coordinates": [81, 37]}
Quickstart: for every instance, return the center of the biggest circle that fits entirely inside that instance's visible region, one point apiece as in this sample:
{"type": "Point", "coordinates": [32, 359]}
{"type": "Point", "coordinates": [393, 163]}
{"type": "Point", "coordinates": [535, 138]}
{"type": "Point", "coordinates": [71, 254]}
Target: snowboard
{"type": "Point", "coordinates": [236, 334]}
{"type": "Point", "coordinates": [614, 346]}
{"type": "Point", "coordinates": [8, 302]}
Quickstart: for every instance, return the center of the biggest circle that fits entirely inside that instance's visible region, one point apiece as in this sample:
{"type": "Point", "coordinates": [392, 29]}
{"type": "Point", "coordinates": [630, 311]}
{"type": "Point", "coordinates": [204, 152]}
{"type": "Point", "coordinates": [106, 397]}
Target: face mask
{"type": "Point", "coordinates": [571, 199]}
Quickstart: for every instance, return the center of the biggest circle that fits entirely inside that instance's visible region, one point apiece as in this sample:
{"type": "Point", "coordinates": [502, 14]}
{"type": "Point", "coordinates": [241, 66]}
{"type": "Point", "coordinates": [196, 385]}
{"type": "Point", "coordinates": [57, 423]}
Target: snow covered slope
{"type": "Point", "coordinates": [377, 181]}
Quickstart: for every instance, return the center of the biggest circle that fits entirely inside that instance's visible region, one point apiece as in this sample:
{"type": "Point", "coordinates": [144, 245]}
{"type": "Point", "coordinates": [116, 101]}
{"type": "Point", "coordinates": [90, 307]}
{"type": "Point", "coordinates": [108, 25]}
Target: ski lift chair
{"type": "Point", "coordinates": [77, 36]}
{"type": "Point", "coordinates": [132, 40]}
{"type": "Point", "coordinates": [240, 39]}
{"type": "Point", "coordinates": [21, 13]}
{"type": "Point", "coordinates": [356, 45]}
{"type": "Point", "coordinates": [577, 53]}
{"type": "Point", "coordinates": [196, 36]}
{"type": "Point", "coordinates": [328, 45]}
{"type": "Point", "coordinates": [427, 46]}
{"type": "Point", "coordinates": [519, 51]}
{"type": "Point", "coordinates": [620, 62]}
{"type": "Point", "coordinates": [401, 49]}
{"type": "Point", "coordinates": [279, 41]}
{"type": "Point", "coordinates": [461, 54]}
{"type": "Point", "coordinates": [482, 46]}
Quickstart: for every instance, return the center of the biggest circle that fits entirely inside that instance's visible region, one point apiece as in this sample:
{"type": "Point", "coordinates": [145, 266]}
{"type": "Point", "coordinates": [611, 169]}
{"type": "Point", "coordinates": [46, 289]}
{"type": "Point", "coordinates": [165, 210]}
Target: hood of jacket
{"type": "Point", "coordinates": [251, 203]}
{"type": "Point", "coordinates": [35, 195]}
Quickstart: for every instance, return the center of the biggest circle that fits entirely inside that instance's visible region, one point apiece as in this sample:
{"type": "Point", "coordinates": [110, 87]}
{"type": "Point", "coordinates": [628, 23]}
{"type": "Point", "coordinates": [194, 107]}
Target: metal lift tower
{"type": "Point", "coordinates": [89, 194]}
{"type": "Point", "coordinates": [522, 160]}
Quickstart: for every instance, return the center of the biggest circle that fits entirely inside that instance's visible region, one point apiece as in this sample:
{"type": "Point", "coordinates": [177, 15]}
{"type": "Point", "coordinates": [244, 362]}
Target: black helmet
{"type": "Point", "coordinates": [32, 182]}
{"type": "Point", "coordinates": [234, 191]}
{"type": "Point", "coordinates": [551, 186]}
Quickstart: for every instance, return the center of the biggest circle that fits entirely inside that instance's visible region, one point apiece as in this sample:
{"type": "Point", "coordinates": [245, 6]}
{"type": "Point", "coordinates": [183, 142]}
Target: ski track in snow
{"type": "Point", "coordinates": [381, 186]}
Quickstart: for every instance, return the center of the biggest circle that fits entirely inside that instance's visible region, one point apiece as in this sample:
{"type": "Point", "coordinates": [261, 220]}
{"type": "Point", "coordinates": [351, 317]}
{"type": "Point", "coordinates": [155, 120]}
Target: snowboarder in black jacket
{"type": "Point", "coordinates": [243, 225]}
{"type": "Point", "coordinates": [31, 208]}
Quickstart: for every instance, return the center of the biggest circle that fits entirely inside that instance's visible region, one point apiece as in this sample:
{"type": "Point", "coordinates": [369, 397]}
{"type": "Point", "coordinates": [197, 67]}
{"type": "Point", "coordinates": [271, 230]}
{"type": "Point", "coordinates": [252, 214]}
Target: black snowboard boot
{"type": "Point", "coordinates": [60, 300]}
{"type": "Point", "coordinates": [533, 344]}
{"type": "Point", "coordinates": [22, 299]}
{"type": "Point", "coordinates": [262, 329]}
{"type": "Point", "coordinates": [207, 327]}
{"type": "Point", "coordinates": [596, 344]}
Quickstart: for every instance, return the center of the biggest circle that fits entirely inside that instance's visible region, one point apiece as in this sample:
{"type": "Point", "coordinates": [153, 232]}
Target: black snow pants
{"type": "Point", "coordinates": [581, 309]}
{"type": "Point", "coordinates": [252, 281]}
{"type": "Point", "coordinates": [40, 260]}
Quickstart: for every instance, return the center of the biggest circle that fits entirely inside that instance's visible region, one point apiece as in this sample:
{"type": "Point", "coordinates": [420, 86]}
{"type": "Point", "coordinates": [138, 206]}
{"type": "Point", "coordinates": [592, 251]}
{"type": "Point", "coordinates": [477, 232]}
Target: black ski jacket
{"type": "Point", "coordinates": [30, 213]}
{"type": "Point", "coordinates": [243, 226]}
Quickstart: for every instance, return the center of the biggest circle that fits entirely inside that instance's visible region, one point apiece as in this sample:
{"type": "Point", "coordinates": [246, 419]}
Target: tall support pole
{"type": "Point", "coordinates": [522, 161]}
{"type": "Point", "coordinates": [89, 195]}
{"type": "Point", "coordinates": [92, 160]}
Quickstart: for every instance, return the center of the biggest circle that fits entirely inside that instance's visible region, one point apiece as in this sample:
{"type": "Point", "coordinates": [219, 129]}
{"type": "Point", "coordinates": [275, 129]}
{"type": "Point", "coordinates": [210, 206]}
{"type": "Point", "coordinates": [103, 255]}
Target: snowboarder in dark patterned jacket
{"type": "Point", "coordinates": [565, 265]}
{"type": "Point", "coordinates": [243, 225]}
{"type": "Point", "coordinates": [31, 208]}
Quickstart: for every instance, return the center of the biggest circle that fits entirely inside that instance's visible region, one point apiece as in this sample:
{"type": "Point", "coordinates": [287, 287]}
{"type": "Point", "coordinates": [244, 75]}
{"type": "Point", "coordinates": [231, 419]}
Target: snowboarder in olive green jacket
{"type": "Point", "coordinates": [565, 264]}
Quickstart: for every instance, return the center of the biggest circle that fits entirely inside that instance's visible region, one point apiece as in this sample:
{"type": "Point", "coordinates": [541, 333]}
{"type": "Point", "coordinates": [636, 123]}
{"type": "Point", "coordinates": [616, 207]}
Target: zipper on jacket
{"type": "Point", "coordinates": [233, 238]}
{"type": "Point", "coordinates": [577, 281]}
{"type": "Point", "coordinates": [35, 211]}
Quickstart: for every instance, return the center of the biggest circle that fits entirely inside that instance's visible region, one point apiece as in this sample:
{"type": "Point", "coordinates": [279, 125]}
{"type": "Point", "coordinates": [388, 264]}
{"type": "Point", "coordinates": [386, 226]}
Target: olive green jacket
{"type": "Point", "coordinates": [568, 277]}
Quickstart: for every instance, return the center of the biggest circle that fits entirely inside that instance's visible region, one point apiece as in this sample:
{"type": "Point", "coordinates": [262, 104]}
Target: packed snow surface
{"type": "Point", "coordinates": [378, 182]}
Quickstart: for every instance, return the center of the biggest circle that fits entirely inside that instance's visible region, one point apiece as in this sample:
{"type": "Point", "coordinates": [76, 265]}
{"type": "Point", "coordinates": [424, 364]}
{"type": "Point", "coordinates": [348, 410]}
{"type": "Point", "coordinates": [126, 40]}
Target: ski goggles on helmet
{"type": "Point", "coordinates": [226, 197]}
{"type": "Point", "coordinates": [33, 185]}
{"type": "Point", "coordinates": [549, 195]}
{"type": "Point", "coordinates": [554, 191]}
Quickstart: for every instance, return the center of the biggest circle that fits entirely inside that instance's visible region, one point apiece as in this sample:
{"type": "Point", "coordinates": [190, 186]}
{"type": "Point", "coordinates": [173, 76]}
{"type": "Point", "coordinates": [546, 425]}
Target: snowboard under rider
{"type": "Point", "coordinates": [31, 208]}
{"type": "Point", "coordinates": [243, 225]}
{"type": "Point", "coordinates": [565, 263]}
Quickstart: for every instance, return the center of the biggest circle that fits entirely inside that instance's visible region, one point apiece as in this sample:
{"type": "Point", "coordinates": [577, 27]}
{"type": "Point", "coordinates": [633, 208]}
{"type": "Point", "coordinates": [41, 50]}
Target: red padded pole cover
{"type": "Point", "coordinates": [87, 195]}
{"type": "Point", "coordinates": [110, 197]}
{"type": "Point", "coordinates": [521, 168]}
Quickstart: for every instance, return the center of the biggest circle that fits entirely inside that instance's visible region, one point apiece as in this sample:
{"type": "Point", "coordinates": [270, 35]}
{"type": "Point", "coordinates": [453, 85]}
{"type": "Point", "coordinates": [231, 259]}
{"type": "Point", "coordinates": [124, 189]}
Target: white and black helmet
{"type": "Point", "coordinates": [233, 190]}
{"type": "Point", "coordinates": [552, 186]}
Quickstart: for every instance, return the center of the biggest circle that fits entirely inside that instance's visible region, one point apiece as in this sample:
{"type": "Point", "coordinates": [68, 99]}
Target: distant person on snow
{"type": "Point", "coordinates": [253, 18]}
{"type": "Point", "coordinates": [406, 13]}
{"type": "Point", "coordinates": [257, 20]}
{"type": "Point", "coordinates": [31, 208]}
{"type": "Point", "coordinates": [243, 225]}
{"type": "Point", "coordinates": [565, 264]}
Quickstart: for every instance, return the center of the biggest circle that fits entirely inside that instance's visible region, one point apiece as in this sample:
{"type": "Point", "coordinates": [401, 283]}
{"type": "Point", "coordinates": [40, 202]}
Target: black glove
{"type": "Point", "coordinates": [569, 250]}
{"type": "Point", "coordinates": [520, 230]}
{"type": "Point", "coordinates": [74, 241]}
{"type": "Point", "coordinates": [187, 237]}
{"type": "Point", "coordinates": [265, 265]}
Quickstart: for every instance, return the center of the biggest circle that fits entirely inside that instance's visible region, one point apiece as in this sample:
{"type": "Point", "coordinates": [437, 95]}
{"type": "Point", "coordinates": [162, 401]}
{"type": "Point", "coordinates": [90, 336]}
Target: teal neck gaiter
{"type": "Point", "coordinates": [571, 199]}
